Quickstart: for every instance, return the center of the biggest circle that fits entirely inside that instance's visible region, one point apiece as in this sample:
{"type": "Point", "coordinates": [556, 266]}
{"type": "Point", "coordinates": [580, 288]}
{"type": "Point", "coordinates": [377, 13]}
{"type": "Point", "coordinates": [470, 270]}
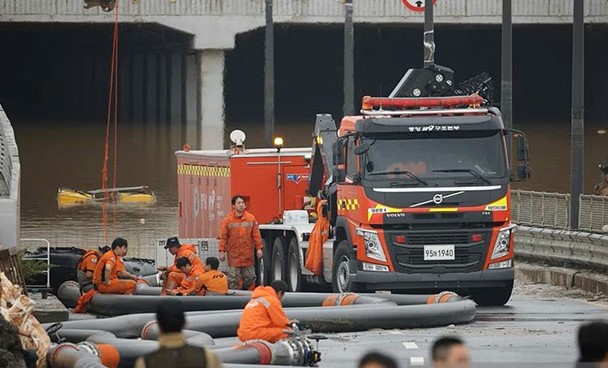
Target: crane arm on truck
{"type": "Point", "coordinates": [322, 165]}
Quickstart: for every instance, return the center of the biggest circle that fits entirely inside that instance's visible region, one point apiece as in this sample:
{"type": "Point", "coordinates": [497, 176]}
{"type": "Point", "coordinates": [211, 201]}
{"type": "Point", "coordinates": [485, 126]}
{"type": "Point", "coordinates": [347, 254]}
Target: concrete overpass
{"type": "Point", "coordinates": [194, 80]}
{"type": "Point", "coordinates": [214, 23]}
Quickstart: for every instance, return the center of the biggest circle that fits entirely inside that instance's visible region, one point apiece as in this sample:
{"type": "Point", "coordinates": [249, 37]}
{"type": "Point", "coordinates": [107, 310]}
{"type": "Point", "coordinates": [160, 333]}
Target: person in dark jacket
{"type": "Point", "coordinates": [593, 345]}
{"type": "Point", "coordinates": [173, 351]}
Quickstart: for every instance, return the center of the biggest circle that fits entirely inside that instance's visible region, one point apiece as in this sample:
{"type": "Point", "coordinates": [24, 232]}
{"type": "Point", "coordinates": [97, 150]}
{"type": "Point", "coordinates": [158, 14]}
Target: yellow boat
{"type": "Point", "coordinates": [129, 195]}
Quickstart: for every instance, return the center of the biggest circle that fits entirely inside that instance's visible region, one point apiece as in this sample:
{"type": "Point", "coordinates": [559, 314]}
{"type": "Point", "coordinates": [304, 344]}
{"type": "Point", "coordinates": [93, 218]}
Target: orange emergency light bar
{"type": "Point", "coordinates": [416, 102]}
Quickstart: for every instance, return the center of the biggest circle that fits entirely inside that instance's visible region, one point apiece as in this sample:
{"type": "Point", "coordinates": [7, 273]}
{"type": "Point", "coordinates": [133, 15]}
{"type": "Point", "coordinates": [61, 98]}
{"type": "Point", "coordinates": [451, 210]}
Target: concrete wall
{"type": "Point", "coordinates": [216, 22]}
{"type": "Point", "coordinates": [10, 177]}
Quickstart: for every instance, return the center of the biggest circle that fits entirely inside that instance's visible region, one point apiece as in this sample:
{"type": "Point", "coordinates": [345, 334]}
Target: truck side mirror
{"type": "Point", "coordinates": [339, 175]}
{"type": "Point", "coordinates": [359, 150]}
{"type": "Point", "coordinates": [523, 151]}
{"type": "Point", "coordinates": [339, 152]}
{"type": "Point", "coordinates": [523, 171]}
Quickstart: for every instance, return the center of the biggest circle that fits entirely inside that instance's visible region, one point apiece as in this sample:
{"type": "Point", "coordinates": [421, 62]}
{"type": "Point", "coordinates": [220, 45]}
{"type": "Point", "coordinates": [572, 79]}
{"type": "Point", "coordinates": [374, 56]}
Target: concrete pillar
{"type": "Point", "coordinates": [211, 90]}
{"type": "Point", "coordinates": [87, 85]}
{"type": "Point", "coordinates": [100, 89]}
{"type": "Point", "coordinates": [191, 131]}
{"type": "Point", "coordinates": [161, 90]}
{"type": "Point", "coordinates": [175, 87]}
{"type": "Point", "coordinates": [124, 87]}
{"type": "Point", "coordinates": [137, 90]}
{"type": "Point", "coordinates": [150, 87]}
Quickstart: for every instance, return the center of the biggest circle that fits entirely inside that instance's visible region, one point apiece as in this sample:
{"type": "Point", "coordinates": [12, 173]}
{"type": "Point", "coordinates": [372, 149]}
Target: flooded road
{"type": "Point", "coordinates": [70, 155]}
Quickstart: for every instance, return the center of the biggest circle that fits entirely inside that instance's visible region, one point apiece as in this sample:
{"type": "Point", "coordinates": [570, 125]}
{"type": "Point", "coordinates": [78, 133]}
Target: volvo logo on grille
{"type": "Point", "coordinates": [438, 198]}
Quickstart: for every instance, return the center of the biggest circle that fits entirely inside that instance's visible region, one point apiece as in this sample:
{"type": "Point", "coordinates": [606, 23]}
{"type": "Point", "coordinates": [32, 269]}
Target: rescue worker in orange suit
{"type": "Point", "coordinates": [192, 281]}
{"type": "Point", "coordinates": [318, 237]}
{"type": "Point", "coordinates": [172, 276]}
{"type": "Point", "coordinates": [86, 267]}
{"type": "Point", "coordinates": [263, 317]}
{"type": "Point", "coordinates": [214, 280]}
{"type": "Point", "coordinates": [110, 273]}
{"type": "Point", "coordinates": [239, 234]}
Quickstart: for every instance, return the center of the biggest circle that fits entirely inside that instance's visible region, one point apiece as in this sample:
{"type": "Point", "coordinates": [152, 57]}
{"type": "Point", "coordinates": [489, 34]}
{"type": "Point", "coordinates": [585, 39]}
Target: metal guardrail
{"type": "Point", "coordinates": [593, 213]}
{"type": "Point", "coordinates": [48, 261]}
{"type": "Point", "coordinates": [573, 249]}
{"type": "Point", "coordinates": [552, 210]}
{"type": "Point", "coordinates": [541, 209]}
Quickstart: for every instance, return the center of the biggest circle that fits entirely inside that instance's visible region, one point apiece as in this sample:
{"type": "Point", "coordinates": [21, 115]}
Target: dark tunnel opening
{"type": "Point", "coordinates": [309, 68]}
{"type": "Point", "coordinates": [44, 77]}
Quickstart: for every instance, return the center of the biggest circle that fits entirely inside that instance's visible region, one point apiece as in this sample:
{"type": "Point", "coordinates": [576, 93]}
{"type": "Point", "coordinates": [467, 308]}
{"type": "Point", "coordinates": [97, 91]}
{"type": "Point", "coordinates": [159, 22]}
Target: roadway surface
{"type": "Point", "coordinates": [537, 328]}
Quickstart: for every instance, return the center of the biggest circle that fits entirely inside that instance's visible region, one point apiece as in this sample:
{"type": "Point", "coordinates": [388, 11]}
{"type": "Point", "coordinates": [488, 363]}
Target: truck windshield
{"type": "Point", "coordinates": [419, 157]}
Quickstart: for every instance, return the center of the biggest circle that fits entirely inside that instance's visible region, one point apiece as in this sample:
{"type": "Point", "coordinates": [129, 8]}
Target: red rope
{"type": "Point", "coordinates": [112, 101]}
{"type": "Point", "coordinates": [115, 116]}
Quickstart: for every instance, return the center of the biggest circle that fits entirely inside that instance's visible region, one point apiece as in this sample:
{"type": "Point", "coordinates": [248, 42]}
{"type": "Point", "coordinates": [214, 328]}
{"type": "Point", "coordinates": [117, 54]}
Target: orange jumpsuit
{"type": "Point", "coordinates": [214, 282]}
{"type": "Point", "coordinates": [263, 317]}
{"type": "Point", "coordinates": [191, 283]}
{"type": "Point", "coordinates": [237, 238]}
{"type": "Point", "coordinates": [174, 275]}
{"type": "Point", "coordinates": [87, 264]}
{"type": "Point", "coordinates": [318, 237]}
{"type": "Point", "coordinates": [89, 261]}
{"type": "Point", "coordinates": [116, 285]}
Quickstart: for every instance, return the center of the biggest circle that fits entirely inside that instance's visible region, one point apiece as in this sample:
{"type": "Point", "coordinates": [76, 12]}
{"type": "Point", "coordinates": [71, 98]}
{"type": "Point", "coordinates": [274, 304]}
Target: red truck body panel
{"type": "Point", "coordinates": [207, 180]}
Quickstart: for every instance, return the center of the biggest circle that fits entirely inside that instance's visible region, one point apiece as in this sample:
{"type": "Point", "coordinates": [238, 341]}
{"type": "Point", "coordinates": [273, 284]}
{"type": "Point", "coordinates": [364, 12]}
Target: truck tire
{"type": "Point", "coordinates": [278, 259]}
{"type": "Point", "coordinates": [263, 265]}
{"type": "Point", "coordinates": [294, 270]}
{"type": "Point", "coordinates": [493, 296]}
{"type": "Point", "coordinates": [341, 282]}
{"type": "Point", "coordinates": [261, 272]}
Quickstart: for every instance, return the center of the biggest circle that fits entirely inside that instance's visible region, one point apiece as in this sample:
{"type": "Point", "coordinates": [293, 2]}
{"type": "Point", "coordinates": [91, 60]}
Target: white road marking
{"type": "Point", "coordinates": [410, 345]}
{"type": "Point", "coordinates": [416, 361]}
{"type": "Point", "coordinates": [395, 332]}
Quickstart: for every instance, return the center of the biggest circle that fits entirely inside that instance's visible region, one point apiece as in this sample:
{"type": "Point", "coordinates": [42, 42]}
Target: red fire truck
{"type": "Point", "coordinates": [417, 192]}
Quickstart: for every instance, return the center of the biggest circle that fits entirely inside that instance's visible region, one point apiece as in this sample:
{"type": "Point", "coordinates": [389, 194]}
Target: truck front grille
{"type": "Point", "coordinates": [409, 256]}
{"type": "Point", "coordinates": [437, 238]}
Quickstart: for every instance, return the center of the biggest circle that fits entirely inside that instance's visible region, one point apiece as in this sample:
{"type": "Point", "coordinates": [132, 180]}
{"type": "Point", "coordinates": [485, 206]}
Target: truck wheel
{"type": "Point", "coordinates": [263, 265]}
{"type": "Point", "coordinates": [341, 281]}
{"type": "Point", "coordinates": [493, 296]}
{"type": "Point", "coordinates": [278, 259]}
{"type": "Point", "coordinates": [294, 271]}
{"type": "Point", "coordinates": [261, 276]}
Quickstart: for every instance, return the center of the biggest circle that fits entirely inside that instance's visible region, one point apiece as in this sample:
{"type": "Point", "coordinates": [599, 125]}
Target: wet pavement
{"type": "Point", "coordinates": [536, 328]}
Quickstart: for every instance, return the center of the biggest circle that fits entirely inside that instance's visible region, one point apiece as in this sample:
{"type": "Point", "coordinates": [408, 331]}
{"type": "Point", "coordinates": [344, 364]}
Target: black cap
{"type": "Point", "coordinates": [172, 242]}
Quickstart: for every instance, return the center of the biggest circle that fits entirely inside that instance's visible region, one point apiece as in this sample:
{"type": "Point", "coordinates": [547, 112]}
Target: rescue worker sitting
{"type": "Point", "coordinates": [214, 281]}
{"type": "Point", "coordinates": [110, 267]}
{"type": "Point", "coordinates": [171, 275]}
{"type": "Point", "coordinates": [86, 267]}
{"type": "Point", "coordinates": [191, 282]}
{"type": "Point", "coordinates": [263, 317]}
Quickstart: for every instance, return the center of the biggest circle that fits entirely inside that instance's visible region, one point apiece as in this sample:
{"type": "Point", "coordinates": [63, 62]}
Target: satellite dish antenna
{"type": "Point", "coordinates": [237, 137]}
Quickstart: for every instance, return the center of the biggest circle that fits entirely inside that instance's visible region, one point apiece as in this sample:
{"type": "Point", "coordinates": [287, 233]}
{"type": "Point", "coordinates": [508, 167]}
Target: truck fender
{"type": "Point", "coordinates": [342, 231]}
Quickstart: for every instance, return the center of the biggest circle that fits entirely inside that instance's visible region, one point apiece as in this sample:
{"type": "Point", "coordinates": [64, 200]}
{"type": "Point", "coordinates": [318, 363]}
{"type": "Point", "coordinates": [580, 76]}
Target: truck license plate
{"type": "Point", "coordinates": [439, 253]}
